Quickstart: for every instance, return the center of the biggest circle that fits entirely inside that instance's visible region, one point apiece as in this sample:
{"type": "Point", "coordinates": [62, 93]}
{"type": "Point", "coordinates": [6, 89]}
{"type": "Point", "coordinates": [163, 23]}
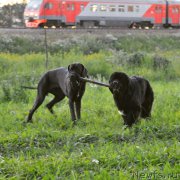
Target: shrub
{"type": "Point", "coordinates": [160, 63]}
{"type": "Point", "coordinates": [21, 45]}
{"type": "Point", "coordinates": [12, 90]}
{"type": "Point", "coordinates": [122, 58]}
{"type": "Point", "coordinates": [136, 59]}
{"type": "Point", "coordinates": [119, 58]}
{"type": "Point", "coordinates": [90, 45]}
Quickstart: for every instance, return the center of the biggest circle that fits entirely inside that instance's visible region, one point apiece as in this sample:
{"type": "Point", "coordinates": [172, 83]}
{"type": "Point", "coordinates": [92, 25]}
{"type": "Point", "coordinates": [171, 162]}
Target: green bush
{"type": "Point", "coordinates": [160, 63]}
{"type": "Point", "coordinates": [12, 89]}
{"type": "Point", "coordinates": [21, 45]}
{"type": "Point", "coordinates": [136, 59]}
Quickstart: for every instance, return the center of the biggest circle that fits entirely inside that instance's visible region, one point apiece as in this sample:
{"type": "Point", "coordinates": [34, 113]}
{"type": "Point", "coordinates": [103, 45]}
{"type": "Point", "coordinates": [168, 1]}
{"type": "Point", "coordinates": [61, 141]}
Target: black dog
{"type": "Point", "coordinates": [133, 96]}
{"type": "Point", "coordinates": [62, 82]}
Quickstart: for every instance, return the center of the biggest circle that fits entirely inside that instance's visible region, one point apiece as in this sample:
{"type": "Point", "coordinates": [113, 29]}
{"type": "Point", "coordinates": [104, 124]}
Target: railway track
{"type": "Point", "coordinates": [83, 31]}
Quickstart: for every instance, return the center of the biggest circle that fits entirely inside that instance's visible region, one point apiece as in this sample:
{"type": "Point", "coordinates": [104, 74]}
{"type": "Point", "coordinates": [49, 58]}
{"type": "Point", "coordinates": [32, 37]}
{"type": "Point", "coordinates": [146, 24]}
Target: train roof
{"type": "Point", "coordinates": [140, 1]}
{"type": "Point", "coordinates": [120, 1]}
{"type": "Point", "coordinates": [149, 1]}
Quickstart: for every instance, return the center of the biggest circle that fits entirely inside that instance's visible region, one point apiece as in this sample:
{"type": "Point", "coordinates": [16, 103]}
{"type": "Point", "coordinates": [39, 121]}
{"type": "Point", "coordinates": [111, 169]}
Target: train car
{"type": "Point", "coordinates": [90, 13]}
{"type": "Point", "coordinates": [173, 12]}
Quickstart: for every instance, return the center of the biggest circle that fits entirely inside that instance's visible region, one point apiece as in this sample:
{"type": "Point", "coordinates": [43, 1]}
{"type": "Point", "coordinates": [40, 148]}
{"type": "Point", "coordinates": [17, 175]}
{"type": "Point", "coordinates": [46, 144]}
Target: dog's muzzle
{"type": "Point", "coordinates": [74, 80]}
{"type": "Point", "coordinates": [115, 90]}
{"type": "Point", "coordinates": [115, 87]}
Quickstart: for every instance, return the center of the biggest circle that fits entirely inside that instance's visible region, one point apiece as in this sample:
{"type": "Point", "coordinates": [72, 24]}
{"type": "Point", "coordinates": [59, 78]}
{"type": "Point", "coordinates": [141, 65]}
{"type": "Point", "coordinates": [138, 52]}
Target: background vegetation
{"type": "Point", "coordinates": [12, 15]}
{"type": "Point", "coordinates": [99, 147]}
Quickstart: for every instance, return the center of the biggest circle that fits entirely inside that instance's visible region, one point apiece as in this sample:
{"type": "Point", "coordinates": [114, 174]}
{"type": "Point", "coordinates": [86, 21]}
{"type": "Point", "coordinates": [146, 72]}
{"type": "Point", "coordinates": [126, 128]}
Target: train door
{"type": "Point", "coordinates": [158, 14]}
{"type": "Point", "coordinates": [175, 12]}
{"type": "Point", "coordinates": [47, 9]}
{"type": "Point", "coordinates": [58, 13]}
{"type": "Point", "coordinates": [51, 12]}
{"type": "Point", "coordinates": [69, 11]}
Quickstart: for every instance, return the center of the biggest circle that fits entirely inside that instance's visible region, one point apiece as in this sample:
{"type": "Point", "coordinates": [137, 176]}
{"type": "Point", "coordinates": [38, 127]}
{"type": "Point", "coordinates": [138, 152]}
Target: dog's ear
{"type": "Point", "coordinates": [84, 72]}
{"type": "Point", "coordinates": [124, 78]}
{"type": "Point", "coordinates": [111, 89]}
{"type": "Point", "coordinates": [70, 67]}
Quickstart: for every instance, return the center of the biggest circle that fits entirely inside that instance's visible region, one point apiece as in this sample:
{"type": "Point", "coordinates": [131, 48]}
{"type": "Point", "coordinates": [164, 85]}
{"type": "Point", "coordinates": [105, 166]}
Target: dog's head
{"type": "Point", "coordinates": [119, 83]}
{"type": "Point", "coordinates": [76, 70]}
{"type": "Point", "coordinates": [79, 69]}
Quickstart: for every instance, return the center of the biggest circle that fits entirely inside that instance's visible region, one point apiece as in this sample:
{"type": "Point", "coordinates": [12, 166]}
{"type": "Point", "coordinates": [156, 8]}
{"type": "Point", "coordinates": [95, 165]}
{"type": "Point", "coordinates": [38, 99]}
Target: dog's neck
{"type": "Point", "coordinates": [119, 98]}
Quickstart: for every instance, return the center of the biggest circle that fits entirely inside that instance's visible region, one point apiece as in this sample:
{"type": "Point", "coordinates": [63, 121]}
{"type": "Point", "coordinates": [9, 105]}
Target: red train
{"type": "Point", "coordinates": [89, 13]}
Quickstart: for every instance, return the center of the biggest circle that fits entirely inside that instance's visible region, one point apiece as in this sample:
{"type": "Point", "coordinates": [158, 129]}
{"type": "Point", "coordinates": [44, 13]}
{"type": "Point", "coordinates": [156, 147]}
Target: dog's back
{"type": "Point", "coordinates": [145, 94]}
{"type": "Point", "coordinates": [139, 86]}
{"type": "Point", "coordinates": [55, 78]}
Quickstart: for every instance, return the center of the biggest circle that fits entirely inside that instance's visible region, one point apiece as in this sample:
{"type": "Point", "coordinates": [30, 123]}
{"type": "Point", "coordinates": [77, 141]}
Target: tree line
{"type": "Point", "coordinates": [12, 15]}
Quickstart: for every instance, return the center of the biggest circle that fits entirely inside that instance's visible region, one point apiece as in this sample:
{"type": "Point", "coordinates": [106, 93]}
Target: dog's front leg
{"type": "Point", "coordinates": [131, 118]}
{"type": "Point", "coordinates": [78, 108]}
{"type": "Point", "coordinates": [128, 119]}
{"type": "Point", "coordinates": [71, 106]}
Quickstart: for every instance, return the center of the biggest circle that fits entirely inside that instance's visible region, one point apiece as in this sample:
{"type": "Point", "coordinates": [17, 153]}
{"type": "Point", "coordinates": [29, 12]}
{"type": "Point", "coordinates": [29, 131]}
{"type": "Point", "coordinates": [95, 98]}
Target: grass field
{"type": "Point", "coordinates": [99, 146]}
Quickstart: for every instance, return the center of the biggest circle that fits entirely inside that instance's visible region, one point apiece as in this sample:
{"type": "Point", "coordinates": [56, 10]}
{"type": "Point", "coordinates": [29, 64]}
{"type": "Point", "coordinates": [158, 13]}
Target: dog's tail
{"type": "Point", "coordinates": [27, 87]}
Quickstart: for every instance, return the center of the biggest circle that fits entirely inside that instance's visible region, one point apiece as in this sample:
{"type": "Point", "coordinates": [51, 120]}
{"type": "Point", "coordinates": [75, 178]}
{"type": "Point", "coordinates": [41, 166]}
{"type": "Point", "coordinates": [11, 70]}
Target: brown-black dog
{"type": "Point", "coordinates": [133, 96]}
{"type": "Point", "coordinates": [62, 82]}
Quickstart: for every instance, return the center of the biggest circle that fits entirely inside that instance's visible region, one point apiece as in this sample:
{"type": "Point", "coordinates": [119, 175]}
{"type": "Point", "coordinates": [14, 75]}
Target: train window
{"type": "Point", "coordinates": [48, 6]}
{"type": "Point", "coordinates": [82, 7]}
{"type": "Point", "coordinates": [121, 8]}
{"type": "Point", "coordinates": [112, 8]}
{"type": "Point", "coordinates": [70, 7]}
{"type": "Point", "coordinates": [175, 10]}
{"type": "Point", "coordinates": [33, 5]}
{"type": "Point", "coordinates": [94, 8]}
{"type": "Point", "coordinates": [137, 8]}
{"type": "Point", "coordinates": [130, 8]}
{"type": "Point", "coordinates": [103, 8]}
{"type": "Point", "coordinates": [158, 9]}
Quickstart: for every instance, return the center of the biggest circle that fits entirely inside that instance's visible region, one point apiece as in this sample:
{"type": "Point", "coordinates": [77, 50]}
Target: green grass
{"type": "Point", "coordinates": [99, 146]}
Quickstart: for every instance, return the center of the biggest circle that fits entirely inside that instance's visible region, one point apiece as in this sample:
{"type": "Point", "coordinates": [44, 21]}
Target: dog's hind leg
{"type": "Point", "coordinates": [56, 99]}
{"type": "Point", "coordinates": [147, 104]}
{"type": "Point", "coordinates": [146, 110]}
{"type": "Point", "coordinates": [38, 102]}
